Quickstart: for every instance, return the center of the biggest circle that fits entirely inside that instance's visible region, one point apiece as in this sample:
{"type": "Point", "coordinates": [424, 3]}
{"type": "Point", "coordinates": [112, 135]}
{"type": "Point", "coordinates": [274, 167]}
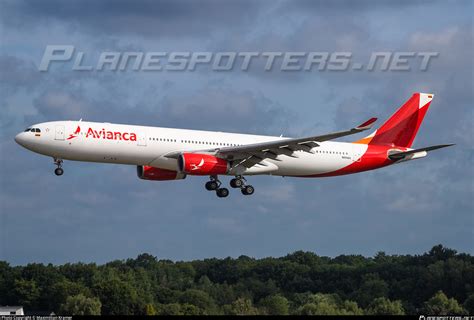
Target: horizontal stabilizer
{"type": "Point", "coordinates": [401, 155]}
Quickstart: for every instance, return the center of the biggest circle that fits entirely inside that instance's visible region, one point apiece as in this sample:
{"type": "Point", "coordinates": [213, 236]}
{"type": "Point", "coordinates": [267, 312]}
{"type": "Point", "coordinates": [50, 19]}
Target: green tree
{"type": "Point", "coordinates": [165, 295]}
{"type": "Point", "coordinates": [80, 305]}
{"type": "Point", "coordinates": [383, 306]}
{"type": "Point", "coordinates": [150, 310]}
{"type": "Point", "coordinates": [312, 309]}
{"type": "Point", "coordinates": [372, 287]}
{"type": "Point", "coordinates": [441, 253]}
{"type": "Point", "coordinates": [26, 293]}
{"type": "Point", "coordinates": [275, 305]}
{"type": "Point", "coordinates": [143, 260]}
{"type": "Point", "coordinates": [439, 304]}
{"type": "Point", "coordinates": [469, 304]}
{"type": "Point", "coordinates": [118, 297]}
{"type": "Point", "coordinates": [242, 307]}
{"type": "Point", "coordinates": [328, 304]}
{"type": "Point", "coordinates": [230, 286]}
{"type": "Point", "coordinates": [190, 310]}
{"type": "Point", "coordinates": [199, 299]}
{"type": "Point", "coordinates": [61, 290]}
{"type": "Point", "coordinates": [170, 309]}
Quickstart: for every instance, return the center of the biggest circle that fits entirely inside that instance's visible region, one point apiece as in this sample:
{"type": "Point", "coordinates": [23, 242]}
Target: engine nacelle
{"type": "Point", "coordinates": [152, 173]}
{"type": "Point", "coordinates": [202, 164]}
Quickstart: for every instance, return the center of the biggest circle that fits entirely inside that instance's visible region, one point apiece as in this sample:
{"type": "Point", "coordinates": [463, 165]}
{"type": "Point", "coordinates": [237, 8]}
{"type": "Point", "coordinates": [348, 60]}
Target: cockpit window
{"type": "Point", "coordinates": [27, 129]}
{"type": "Point", "coordinates": [38, 130]}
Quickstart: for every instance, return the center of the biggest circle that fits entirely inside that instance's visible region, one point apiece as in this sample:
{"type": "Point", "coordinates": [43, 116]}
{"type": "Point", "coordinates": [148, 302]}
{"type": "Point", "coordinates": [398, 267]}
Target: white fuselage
{"type": "Point", "coordinates": [140, 145]}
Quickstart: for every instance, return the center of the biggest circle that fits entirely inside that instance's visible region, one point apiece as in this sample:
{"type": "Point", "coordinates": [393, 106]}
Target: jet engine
{"type": "Point", "coordinates": [202, 164]}
{"type": "Point", "coordinates": [152, 173]}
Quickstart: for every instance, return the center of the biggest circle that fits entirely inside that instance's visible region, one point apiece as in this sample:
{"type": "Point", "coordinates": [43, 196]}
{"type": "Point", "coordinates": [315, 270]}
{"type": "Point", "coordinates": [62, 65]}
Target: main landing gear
{"type": "Point", "coordinates": [59, 170]}
{"type": "Point", "coordinates": [214, 185]}
{"type": "Point", "coordinates": [236, 183]}
{"type": "Point", "coordinates": [239, 182]}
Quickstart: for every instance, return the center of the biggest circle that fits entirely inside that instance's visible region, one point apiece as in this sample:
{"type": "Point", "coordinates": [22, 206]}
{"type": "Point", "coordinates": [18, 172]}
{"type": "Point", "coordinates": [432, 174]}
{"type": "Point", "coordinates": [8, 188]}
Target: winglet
{"type": "Point", "coordinates": [366, 125]}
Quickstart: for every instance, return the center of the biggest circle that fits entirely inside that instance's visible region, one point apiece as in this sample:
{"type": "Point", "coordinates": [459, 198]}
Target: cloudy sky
{"type": "Point", "coordinates": [98, 212]}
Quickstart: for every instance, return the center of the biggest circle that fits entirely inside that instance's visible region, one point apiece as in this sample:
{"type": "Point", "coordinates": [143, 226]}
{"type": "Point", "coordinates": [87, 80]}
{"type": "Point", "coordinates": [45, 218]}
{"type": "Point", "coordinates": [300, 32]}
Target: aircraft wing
{"type": "Point", "coordinates": [289, 145]}
{"type": "Point", "coordinates": [251, 154]}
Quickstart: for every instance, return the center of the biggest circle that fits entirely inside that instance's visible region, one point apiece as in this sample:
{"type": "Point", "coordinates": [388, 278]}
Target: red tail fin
{"type": "Point", "coordinates": [401, 128]}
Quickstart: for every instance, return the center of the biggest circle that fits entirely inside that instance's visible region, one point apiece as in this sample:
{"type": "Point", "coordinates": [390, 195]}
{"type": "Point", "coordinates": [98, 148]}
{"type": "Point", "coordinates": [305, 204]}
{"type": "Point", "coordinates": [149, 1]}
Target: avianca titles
{"type": "Point", "coordinates": [172, 154]}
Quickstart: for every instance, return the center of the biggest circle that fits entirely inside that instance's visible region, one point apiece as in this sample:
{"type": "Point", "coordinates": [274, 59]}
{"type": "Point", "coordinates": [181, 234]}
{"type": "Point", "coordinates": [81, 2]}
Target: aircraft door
{"type": "Point", "coordinates": [59, 133]}
{"type": "Point", "coordinates": [141, 141]}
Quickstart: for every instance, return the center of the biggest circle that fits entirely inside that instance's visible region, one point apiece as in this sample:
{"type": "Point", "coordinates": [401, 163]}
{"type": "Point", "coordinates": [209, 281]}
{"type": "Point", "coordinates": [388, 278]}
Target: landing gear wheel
{"type": "Point", "coordinates": [211, 185]}
{"type": "Point", "coordinates": [236, 183]}
{"type": "Point", "coordinates": [58, 171]}
{"type": "Point", "coordinates": [222, 192]}
{"type": "Point", "coordinates": [247, 190]}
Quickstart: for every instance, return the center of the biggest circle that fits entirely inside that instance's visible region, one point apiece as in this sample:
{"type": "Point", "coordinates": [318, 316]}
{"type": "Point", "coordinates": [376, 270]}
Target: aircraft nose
{"type": "Point", "coordinates": [20, 139]}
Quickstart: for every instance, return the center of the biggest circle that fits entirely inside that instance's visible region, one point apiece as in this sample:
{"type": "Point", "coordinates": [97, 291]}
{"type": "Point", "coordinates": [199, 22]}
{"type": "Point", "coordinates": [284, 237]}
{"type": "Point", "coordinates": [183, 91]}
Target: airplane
{"type": "Point", "coordinates": [172, 154]}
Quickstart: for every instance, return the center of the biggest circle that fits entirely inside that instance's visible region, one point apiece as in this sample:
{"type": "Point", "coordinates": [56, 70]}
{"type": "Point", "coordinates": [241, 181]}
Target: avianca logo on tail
{"type": "Point", "coordinates": [197, 167]}
{"type": "Point", "coordinates": [105, 134]}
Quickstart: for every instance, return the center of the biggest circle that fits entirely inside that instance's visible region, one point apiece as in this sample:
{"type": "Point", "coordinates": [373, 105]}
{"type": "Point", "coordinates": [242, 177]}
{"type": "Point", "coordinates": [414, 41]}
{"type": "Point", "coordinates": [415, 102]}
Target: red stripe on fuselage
{"type": "Point", "coordinates": [375, 157]}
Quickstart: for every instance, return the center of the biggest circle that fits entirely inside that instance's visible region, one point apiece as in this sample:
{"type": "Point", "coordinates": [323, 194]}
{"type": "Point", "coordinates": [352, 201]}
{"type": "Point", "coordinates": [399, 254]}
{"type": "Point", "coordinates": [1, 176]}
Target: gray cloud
{"type": "Point", "coordinates": [225, 109]}
{"type": "Point", "coordinates": [17, 73]}
{"type": "Point", "coordinates": [349, 6]}
{"type": "Point", "coordinates": [85, 214]}
{"type": "Point", "coordinates": [214, 107]}
{"type": "Point", "coordinates": [148, 18]}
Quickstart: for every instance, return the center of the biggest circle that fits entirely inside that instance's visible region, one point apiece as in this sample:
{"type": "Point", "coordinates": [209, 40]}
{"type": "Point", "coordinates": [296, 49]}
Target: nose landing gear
{"type": "Point", "coordinates": [59, 170]}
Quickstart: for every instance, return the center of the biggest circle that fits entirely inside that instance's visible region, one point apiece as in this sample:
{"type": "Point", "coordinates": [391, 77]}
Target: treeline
{"type": "Point", "coordinates": [440, 281]}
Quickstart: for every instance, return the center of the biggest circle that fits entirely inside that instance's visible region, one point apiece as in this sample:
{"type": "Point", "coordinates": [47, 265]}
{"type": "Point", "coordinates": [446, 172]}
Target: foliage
{"type": "Point", "coordinates": [81, 305]}
{"type": "Point", "coordinates": [469, 304]}
{"type": "Point", "coordinates": [301, 283]}
{"type": "Point", "coordinates": [439, 304]}
{"type": "Point", "coordinates": [241, 307]}
{"type": "Point", "coordinates": [328, 304]}
{"type": "Point", "coordinates": [383, 306]}
{"type": "Point", "coordinates": [275, 305]}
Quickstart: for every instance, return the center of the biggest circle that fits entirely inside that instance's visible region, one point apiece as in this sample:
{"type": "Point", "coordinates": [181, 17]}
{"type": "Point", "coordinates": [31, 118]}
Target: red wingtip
{"type": "Point", "coordinates": [367, 124]}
